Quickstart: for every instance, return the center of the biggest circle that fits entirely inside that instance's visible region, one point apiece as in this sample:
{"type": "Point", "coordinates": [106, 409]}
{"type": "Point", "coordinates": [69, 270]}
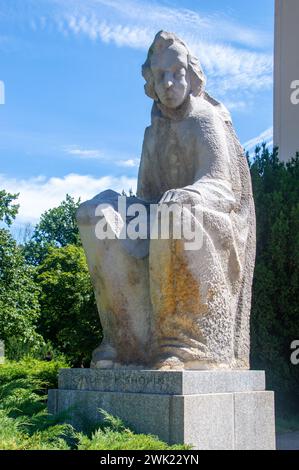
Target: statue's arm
{"type": "Point", "coordinates": [213, 177]}
{"type": "Point", "coordinates": [212, 181]}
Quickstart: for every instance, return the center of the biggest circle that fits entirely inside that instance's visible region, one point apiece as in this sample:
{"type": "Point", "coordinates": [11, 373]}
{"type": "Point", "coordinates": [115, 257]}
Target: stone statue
{"type": "Point", "coordinates": [163, 306]}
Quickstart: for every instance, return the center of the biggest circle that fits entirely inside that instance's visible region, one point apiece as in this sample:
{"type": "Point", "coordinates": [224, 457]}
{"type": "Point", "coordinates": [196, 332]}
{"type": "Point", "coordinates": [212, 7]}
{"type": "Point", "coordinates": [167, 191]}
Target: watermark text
{"type": "Point", "coordinates": [295, 92]}
{"type": "Point", "coordinates": [295, 353]}
{"type": "Point", "coordinates": [166, 221]}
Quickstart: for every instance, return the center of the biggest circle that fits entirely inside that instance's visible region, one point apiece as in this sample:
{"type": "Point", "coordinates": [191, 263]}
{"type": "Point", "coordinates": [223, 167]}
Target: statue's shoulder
{"type": "Point", "coordinates": [208, 111]}
{"type": "Point", "coordinates": [218, 107]}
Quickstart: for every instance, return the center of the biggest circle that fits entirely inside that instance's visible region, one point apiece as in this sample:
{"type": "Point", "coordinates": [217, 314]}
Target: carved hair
{"type": "Point", "coordinates": [162, 41]}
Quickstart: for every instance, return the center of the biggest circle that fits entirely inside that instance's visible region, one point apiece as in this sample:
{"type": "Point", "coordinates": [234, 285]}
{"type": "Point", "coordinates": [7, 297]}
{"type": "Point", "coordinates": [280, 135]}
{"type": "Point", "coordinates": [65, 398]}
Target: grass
{"type": "Point", "coordinates": [26, 425]}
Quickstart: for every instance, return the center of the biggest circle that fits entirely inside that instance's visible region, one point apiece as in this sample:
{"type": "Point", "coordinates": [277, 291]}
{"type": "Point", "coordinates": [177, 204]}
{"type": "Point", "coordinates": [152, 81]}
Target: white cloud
{"type": "Point", "coordinates": [266, 136]}
{"type": "Point", "coordinates": [236, 105]}
{"type": "Point", "coordinates": [39, 194]}
{"type": "Point", "coordinates": [229, 67]}
{"type": "Point", "coordinates": [121, 35]}
{"type": "Point", "coordinates": [131, 163]}
{"type": "Point", "coordinates": [97, 154]}
{"type": "Point", "coordinates": [84, 153]}
{"type": "Point", "coordinates": [234, 56]}
{"type": "Point", "coordinates": [217, 25]}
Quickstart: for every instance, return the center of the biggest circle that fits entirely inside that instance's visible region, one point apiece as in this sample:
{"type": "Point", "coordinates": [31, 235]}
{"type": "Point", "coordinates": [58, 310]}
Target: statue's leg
{"type": "Point", "coordinates": [193, 307]}
{"type": "Point", "coordinates": [121, 285]}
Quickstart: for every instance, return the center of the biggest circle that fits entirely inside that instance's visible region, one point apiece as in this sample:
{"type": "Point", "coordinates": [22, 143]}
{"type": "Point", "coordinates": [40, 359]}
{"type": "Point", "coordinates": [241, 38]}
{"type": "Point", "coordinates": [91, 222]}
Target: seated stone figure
{"type": "Point", "coordinates": [163, 306]}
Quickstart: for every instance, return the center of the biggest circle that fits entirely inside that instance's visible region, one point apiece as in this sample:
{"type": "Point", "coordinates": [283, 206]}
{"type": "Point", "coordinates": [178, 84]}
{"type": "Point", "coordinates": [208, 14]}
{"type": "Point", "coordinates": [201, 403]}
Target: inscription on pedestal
{"type": "Point", "coordinates": [161, 382]}
{"type": "Point", "coordinates": [121, 381]}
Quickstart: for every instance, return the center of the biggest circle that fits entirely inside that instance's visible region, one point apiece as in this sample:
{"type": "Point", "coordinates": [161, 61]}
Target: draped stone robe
{"type": "Point", "coordinates": [169, 307]}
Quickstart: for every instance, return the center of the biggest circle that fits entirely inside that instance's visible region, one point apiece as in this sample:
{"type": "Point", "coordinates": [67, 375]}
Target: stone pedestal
{"type": "Point", "coordinates": [207, 409]}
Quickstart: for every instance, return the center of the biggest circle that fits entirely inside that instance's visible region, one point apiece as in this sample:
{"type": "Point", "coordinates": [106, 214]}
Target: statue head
{"type": "Point", "coordinates": [171, 72]}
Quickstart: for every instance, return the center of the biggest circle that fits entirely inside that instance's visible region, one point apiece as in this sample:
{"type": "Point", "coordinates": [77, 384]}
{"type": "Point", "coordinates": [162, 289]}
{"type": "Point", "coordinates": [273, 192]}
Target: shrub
{"type": "Point", "coordinates": [25, 424]}
{"type": "Point", "coordinates": [33, 370]}
{"type": "Point", "coordinates": [114, 435]}
{"type": "Point", "coordinates": [275, 310]}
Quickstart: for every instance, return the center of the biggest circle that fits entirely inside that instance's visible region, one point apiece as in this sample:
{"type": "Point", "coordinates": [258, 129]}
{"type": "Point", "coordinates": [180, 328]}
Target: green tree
{"type": "Point", "coordinates": [57, 228]}
{"type": "Point", "coordinates": [69, 317]}
{"type": "Point", "coordinates": [275, 310]}
{"type": "Point", "coordinates": [8, 208]}
{"type": "Point", "coordinates": [19, 308]}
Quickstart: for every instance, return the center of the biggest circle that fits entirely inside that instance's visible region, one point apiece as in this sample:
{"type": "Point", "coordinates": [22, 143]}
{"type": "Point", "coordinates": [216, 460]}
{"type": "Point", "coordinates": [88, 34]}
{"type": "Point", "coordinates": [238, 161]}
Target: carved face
{"type": "Point", "coordinates": [171, 76]}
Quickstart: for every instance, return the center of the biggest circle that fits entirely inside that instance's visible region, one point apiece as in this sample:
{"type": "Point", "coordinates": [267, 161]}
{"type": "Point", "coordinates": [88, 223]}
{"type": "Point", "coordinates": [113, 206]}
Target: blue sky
{"type": "Point", "coordinates": [75, 109]}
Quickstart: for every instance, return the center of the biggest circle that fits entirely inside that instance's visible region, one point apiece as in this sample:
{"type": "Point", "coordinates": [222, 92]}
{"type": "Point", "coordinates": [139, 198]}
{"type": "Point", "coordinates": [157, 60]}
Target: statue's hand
{"type": "Point", "coordinates": [179, 196]}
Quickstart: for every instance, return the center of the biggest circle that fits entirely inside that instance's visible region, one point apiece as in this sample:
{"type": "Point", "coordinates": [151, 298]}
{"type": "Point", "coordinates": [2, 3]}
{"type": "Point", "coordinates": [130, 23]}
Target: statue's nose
{"type": "Point", "coordinates": [168, 79]}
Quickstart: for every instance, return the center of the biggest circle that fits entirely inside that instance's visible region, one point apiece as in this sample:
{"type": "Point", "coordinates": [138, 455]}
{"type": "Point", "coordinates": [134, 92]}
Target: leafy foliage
{"type": "Point", "coordinates": [19, 308]}
{"type": "Point", "coordinates": [25, 424]}
{"type": "Point", "coordinates": [69, 317]}
{"type": "Point", "coordinates": [275, 310]}
{"type": "Point", "coordinates": [33, 370]}
{"type": "Point", "coordinates": [8, 210]}
{"type": "Point", "coordinates": [57, 228]}
{"type": "Point", "coordinates": [114, 435]}
{"type": "Point", "coordinates": [49, 297]}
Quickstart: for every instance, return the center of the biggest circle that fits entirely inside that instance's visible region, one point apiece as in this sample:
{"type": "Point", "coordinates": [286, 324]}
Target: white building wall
{"type": "Point", "coordinates": [286, 78]}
